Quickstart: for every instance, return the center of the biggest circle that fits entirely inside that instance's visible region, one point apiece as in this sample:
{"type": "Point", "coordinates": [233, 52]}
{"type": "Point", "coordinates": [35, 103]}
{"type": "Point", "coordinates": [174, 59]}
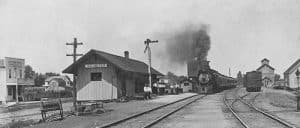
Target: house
{"type": "Point", "coordinates": [290, 75]}
{"type": "Point", "coordinates": [268, 75]}
{"type": "Point", "coordinates": [58, 83]}
{"type": "Point", "coordinates": [186, 85]}
{"type": "Point", "coordinates": [12, 79]}
{"type": "Point", "coordinates": [104, 76]}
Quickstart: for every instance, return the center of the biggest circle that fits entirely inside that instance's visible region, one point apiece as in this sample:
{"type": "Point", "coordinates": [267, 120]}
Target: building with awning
{"type": "Point", "coordinates": [104, 76]}
{"type": "Point", "coordinates": [12, 79]}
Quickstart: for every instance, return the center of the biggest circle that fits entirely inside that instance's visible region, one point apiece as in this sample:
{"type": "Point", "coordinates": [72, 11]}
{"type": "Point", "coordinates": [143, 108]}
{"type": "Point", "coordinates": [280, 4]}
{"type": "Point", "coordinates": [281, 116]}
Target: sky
{"type": "Point", "coordinates": [242, 33]}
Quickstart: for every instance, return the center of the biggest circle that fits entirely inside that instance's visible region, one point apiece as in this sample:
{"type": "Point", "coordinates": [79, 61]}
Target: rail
{"type": "Point", "coordinates": [240, 98]}
{"type": "Point", "coordinates": [153, 109]}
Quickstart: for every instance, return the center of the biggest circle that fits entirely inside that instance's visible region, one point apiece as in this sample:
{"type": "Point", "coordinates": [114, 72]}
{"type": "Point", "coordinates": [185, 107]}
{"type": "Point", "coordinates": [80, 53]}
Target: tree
{"type": "Point", "coordinates": [277, 77]}
{"type": "Point", "coordinates": [182, 78]}
{"type": "Point", "coordinates": [29, 73]}
{"type": "Point", "coordinates": [239, 75]}
{"type": "Point", "coordinates": [39, 79]}
{"type": "Point", "coordinates": [48, 74]}
{"type": "Point", "coordinates": [174, 79]}
{"type": "Point", "coordinates": [240, 78]}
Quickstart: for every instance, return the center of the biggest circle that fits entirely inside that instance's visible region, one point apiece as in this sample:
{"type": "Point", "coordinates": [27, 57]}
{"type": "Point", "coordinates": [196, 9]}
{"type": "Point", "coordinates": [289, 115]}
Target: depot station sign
{"type": "Point", "coordinates": [95, 66]}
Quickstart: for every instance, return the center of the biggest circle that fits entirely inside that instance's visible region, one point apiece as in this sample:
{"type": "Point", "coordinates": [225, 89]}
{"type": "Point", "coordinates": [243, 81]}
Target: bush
{"type": "Point", "coordinates": [278, 87]}
{"type": "Point", "coordinates": [283, 88]}
{"type": "Point", "coordinates": [19, 124]}
{"type": "Point", "coordinates": [36, 93]}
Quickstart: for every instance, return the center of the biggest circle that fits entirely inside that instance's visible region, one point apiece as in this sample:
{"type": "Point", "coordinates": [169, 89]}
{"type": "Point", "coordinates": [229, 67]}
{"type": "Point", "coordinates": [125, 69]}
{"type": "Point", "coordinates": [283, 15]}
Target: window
{"type": "Point", "coordinates": [9, 73]}
{"type": "Point", "coordinates": [21, 73]}
{"type": "Point", "coordinates": [16, 73]}
{"type": "Point", "coordinates": [10, 91]}
{"type": "Point", "coordinates": [186, 84]}
{"type": "Point", "coordinates": [96, 76]}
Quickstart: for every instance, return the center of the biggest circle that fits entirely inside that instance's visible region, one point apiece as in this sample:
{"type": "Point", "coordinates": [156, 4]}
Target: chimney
{"type": "Point", "coordinates": [126, 54]}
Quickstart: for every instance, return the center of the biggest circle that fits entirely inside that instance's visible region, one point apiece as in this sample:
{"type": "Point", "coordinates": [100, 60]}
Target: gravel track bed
{"type": "Point", "coordinates": [254, 119]}
{"type": "Point", "coordinates": [195, 116]}
{"type": "Point", "coordinates": [250, 116]}
{"type": "Point", "coordinates": [142, 120]}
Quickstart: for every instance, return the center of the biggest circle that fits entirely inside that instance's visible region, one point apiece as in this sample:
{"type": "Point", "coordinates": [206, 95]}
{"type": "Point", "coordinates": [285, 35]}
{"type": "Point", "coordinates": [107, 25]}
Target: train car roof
{"type": "Point", "coordinates": [216, 72]}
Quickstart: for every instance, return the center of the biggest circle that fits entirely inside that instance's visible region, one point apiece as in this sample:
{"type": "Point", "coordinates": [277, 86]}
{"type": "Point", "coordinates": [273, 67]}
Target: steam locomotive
{"type": "Point", "coordinates": [207, 80]}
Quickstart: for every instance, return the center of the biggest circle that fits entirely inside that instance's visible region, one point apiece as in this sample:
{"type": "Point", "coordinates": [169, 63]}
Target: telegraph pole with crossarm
{"type": "Point", "coordinates": [147, 42]}
{"type": "Point", "coordinates": [74, 55]}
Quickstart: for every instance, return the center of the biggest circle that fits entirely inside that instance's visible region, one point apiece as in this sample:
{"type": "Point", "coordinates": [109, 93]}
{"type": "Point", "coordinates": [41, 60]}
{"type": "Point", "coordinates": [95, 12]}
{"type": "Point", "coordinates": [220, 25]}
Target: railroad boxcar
{"type": "Point", "coordinates": [253, 81]}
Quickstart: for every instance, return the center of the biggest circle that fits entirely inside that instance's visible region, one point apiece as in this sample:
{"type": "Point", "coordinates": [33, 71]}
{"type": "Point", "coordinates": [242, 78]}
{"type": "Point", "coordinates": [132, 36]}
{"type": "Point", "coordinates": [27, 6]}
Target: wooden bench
{"type": "Point", "coordinates": [52, 105]}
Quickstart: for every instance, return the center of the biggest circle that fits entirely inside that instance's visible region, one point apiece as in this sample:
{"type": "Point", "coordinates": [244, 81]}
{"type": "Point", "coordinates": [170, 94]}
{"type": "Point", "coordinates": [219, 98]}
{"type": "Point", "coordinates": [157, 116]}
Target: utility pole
{"type": "Point", "coordinates": [229, 72]}
{"type": "Point", "coordinates": [147, 42]}
{"type": "Point", "coordinates": [74, 55]}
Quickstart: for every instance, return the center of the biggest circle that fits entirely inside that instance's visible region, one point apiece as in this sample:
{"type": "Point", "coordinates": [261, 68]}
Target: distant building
{"type": "Point", "coordinates": [290, 74]}
{"type": "Point", "coordinates": [268, 75]}
{"type": "Point", "coordinates": [57, 83]}
{"type": "Point", "coordinates": [104, 76]}
{"type": "Point", "coordinates": [186, 85]}
{"type": "Point", "coordinates": [164, 80]}
{"type": "Point", "coordinates": [11, 76]}
{"type": "Point", "coordinates": [280, 82]}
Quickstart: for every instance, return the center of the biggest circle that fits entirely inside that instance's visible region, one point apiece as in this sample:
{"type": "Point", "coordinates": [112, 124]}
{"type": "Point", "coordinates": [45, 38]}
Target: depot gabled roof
{"type": "Point", "coordinates": [265, 65]}
{"type": "Point", "coordinates": [123, 63]}
{"type": "Point", "coordinates": [292, 67]}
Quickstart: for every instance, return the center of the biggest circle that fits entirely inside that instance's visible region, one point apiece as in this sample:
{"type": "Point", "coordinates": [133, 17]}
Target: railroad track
{"type": "Point", "coordinates": [151, 117]}
{"type": "Point", "coordinates": [250, 116]}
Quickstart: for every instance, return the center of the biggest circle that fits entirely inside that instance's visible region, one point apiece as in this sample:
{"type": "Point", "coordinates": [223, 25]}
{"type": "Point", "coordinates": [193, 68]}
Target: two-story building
{"type": "Point", "coordinates": [268, 75]}
{"type": "Point", "coordinates": [12, 81]}
{"type": "Point", "coordinates": [290, 75]}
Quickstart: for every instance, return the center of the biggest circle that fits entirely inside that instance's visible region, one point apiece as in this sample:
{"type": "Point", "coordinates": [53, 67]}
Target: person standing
{"type": "Point", "coordinates": [147, 90]}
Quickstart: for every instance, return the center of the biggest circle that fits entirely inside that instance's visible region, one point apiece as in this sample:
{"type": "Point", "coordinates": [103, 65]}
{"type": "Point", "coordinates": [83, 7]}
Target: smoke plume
{"type": "Point", "coordinates": [192, 42]}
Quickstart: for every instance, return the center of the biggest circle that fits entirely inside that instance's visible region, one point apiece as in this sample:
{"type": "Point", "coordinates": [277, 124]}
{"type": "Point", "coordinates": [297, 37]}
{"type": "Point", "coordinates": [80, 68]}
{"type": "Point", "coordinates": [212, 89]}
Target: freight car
{"type": "Point", "coordinates": [208, 80]}
{"type": "Point", "coordinates": [253, 81]}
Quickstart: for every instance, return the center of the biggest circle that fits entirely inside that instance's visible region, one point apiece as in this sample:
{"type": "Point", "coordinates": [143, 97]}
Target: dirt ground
{"type": "Point", "coordinates": [208, 112]}
{"type": "Point", "coordinates": [115, 112]}
{"type": "Point", "coordinates": [280, 103]}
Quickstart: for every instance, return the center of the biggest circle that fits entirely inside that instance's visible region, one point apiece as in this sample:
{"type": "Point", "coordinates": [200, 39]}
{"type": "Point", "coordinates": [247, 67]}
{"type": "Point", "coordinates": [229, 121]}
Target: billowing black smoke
{"type": "Point", "coordinates": [192, 42]}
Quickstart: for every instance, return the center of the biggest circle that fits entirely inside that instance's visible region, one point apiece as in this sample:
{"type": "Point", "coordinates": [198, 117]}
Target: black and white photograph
{"type": "Point", "coordinates": [149, 64]}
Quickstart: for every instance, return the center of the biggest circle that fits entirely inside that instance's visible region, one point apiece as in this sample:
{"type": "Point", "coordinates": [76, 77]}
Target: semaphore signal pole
{"type": "Point", "coordinates": [147, 42]}
{"type": "Point", "coordinates": [74, 55]}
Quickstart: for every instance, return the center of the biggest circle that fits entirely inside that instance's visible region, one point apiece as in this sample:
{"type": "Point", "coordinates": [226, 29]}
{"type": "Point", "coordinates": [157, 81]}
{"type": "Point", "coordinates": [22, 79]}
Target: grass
{"type": "Point", "coordinates": [19, 124]}
{"type": "Point", "coordinates": [280, 98]}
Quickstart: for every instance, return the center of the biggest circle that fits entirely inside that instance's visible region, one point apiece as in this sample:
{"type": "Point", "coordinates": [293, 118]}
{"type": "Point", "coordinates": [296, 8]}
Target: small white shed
{"type": "Point", "coordinates": [187, 86]}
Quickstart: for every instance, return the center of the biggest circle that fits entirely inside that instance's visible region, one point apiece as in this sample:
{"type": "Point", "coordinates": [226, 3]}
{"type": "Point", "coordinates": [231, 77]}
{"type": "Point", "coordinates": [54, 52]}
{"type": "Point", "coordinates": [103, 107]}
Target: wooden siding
{"type": "Point", "coordinates": [187, 88]}
{"type": "Point", "coordinates": [97, 90]}
{"type": "Point", "coordinates": [130, 87]}
{"type": "Point", "coordinates": [293, 83]}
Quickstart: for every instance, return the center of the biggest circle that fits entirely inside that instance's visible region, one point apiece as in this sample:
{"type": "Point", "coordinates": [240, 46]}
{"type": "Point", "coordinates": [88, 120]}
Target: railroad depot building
{"type": "Point", "coordinates": [268, 75]}
{"type": "Point", "coordinates": [104, 76]}
{"type": "Point", "coordinates": [290, 75]}
{"type": "Point", "coordinates": [12, 77]}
